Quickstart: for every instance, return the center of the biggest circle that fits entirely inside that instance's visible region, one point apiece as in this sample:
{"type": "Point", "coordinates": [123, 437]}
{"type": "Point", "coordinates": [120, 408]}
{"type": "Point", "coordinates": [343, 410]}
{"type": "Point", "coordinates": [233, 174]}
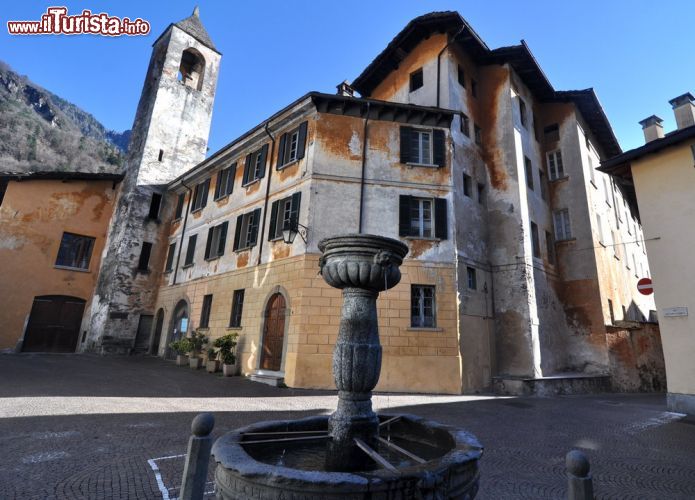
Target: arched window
{"type": "Point", "coordinates": [192, 69]}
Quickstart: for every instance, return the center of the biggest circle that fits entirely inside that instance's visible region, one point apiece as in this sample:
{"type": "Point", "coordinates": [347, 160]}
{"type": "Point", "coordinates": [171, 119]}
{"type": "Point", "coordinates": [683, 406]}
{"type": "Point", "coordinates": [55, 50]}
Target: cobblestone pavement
{"type": "Point", "coordinates": [74, 427]}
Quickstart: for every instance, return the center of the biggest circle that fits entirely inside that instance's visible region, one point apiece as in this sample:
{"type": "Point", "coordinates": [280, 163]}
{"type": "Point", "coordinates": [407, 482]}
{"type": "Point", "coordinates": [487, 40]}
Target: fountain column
{"type": "Point", "coordinates": [362, 266]}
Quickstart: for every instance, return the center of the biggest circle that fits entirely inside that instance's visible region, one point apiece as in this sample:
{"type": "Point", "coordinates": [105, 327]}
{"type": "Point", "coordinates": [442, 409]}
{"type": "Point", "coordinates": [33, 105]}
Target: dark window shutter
{"type": "Point", "coordinates": [190, 251]}
{"type": "Point", "coordinates": [404, 215]}
{"type": "Point", "coordinates": [281, 151]}
{"type": "Point", "coordinates": [301, 142]}
{"type": "Point", "coordinates": [294, 210]}
{"type": "Point", "coordinates": [247, 167]}
{"type": "Point", "coordinates": [441, 228]}
{"type": "Point", "coordinates": [223, 238]}
{"type": "Point", "coordinates": [218, 184]}
{"type": "Point", "coordinates": [170, 257]}
{"type": "Point", "coordinates": [204, 194]}
{"type": "Point", "coordinates": [237, 231]}
{"type": "Point", "coordinates": [273, 220]}
{"type": "Point", "coordinates": [179, 205]}
{"type": "Point", "coordinates": [209, 242]}
{"type": "Point", "coordinates": [194, 199]}
{"type": "Point", "coordinates": [405, 144]}
{"type": "Point", "coordinates": [439, 156]}
{"type": "Point", "coordinates": [256, 214]}
{"type": "Point", "coordinates": [230, 179]}
{"type": "Point", "coordinates": [264, 157]}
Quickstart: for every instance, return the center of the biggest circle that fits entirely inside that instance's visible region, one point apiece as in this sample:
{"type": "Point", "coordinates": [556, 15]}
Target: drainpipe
{"type": "Point", "coordinates": [183, 230]}
{"type": "Point", "coordinates": [364, 161]}
{"type": "Point", "coordinates": [267, 193]}
{"type": "Point", "coordinates": [440, 55]}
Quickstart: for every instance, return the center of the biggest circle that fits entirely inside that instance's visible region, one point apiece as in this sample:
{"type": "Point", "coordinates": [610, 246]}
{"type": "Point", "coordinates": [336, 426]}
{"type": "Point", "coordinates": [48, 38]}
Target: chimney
{"type": "Point", "coordinates": [652, 128]}
{"type": "Point", "coordinates": [684, 109]}
{"type": "Point", "coordinates": [345, 89]}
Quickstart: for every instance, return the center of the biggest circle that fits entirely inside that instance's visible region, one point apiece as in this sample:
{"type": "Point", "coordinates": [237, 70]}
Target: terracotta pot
{"type": "Point", "coordinates": [195, 362]}
{"type": "Point", "coordinates": [212, 366]}
{"type": "Point", "coordinates": [181, 360]}
{"type": "Point", "coordinates": [230, 370]}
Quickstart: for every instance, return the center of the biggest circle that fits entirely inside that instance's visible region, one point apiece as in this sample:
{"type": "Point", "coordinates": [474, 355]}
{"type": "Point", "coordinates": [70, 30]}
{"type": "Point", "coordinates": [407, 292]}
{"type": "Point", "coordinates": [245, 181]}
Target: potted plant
{"type": "Point", "coordinates": [212, 364]}
{"type": "Point", "coordinates": [180, 347]}
{"type": "Point", "coordinates": [196, 342]}
{"type": "Point", "coordinates": [227, 348]}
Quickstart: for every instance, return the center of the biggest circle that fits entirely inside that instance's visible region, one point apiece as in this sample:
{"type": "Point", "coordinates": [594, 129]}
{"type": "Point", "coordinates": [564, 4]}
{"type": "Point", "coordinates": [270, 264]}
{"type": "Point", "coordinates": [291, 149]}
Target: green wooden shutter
{"type": "Point", "coordinates": [247, 167]}
{"type": "Point", "coordinates": [406, 133]}
{"type": "Point", "coordinates": [190, 251]}
{"type": "Point", "coordinates": [223, 239]}
{"type": "Point", "coordinates": [281, 151]}
{"type": "Point", "coordinates": [237, 231]}
{"type": "Point", "coordinates": [264, 157]}
{"type": "Point", "coordinates": [301, 142]}
{"type": "Point", "coordinates": [404, 215]}
{"type": "Point", "coordinates": [294, 209]}
{"type": "Point", "coordinates": [218, 184]}
{"type": "Point", "coordinates": [441, 226]}
{"type": "Point", "coordinates": [256, 214]}
{"type": "Point", "coordinates": [439, 156]}
{"type": "Point", "coordinates": [209, 242]}
{"type": "Point", "coordinates": [273, 220]}
{"type": "Point", "coordinates": [204, 194]}
{"type": "Point", "coordinates": [230, 179]}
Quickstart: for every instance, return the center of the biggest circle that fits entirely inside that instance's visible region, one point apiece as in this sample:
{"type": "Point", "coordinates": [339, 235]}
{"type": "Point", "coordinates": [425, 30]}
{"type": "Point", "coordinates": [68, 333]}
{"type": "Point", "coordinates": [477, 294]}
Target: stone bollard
{"type": "Point", "coordinates": [579, 482]}
{"type": "Point", "coordinates": [195, 472]}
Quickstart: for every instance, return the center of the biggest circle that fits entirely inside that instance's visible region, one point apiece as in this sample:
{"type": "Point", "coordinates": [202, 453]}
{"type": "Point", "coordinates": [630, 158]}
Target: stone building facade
{"type": "Point", "coordinates": [523, 258]}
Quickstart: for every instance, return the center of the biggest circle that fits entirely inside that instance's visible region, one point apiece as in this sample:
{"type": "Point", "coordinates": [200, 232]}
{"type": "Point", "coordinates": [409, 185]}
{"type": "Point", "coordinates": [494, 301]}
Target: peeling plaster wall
{"type": "Point", "coordinates": [33, 217]}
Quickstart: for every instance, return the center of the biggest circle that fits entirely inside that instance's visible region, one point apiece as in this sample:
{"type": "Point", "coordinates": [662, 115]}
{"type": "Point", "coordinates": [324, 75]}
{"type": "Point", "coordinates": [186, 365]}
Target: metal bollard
{"type": "Point", "coordinates": [195, 472]}
{"type": "Point", "coordinates": [579, 482]}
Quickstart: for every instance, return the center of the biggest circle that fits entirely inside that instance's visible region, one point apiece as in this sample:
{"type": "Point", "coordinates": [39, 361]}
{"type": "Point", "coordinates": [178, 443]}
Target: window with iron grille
{"type": "Point", "coordinates": [237, 308]}
{"type": "Point", "coordinates": [75, 251]}
{"type": "Point", "coordinates": [422, 306]}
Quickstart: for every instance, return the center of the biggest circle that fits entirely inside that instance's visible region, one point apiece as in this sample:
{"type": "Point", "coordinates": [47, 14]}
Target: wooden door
{"type": "Point", "coordinates": [54, 324]}
{"type": "Point", "coordinates": [157, 332]}
{"type": "Point", "coordinates": [273, 333]}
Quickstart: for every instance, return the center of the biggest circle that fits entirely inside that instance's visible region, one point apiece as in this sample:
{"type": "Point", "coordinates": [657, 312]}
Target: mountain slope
{"type": "Point", "coordinates": [40, 131]}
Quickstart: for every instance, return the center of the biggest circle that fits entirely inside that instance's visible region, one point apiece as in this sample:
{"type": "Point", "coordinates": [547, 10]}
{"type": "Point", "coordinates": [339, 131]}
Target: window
{"type": "Point", "coordinates": [161, 155]}
{"type": "Point", "coordinates": [200, 195]}
{"type": "Point", "coordinates": [292, 145]}
{"type": "Point", "coordinates": [474, 88]}
{"type": "Point", "coordinates": [481, 193]}
{"type": "Point", "coordinates": [563, 231]}
{"type": "Point", "coordinates": [284, 214]}
{"type": "Point", "coordinates": [535, 241]}
{"type": "Point", "coordinates": [536, 124]}
{"type": "Point", "coordinates": [422, 146]}
{"type": "Point", "coordinates": [217, 238]}
{"type": "Point", "coordinates": [599, 226]}
{"type": "Point", "coordinates": [205, 312]}
{"type": "Point", "coordinates": [544, 185]}
{"type": "Point", "coordinates": [179, 205]}
{"type": "Point", "coordinates": [461, 76]}
{"type": "Point", "coordinates": [155, 205]}
{"type": "Point", "coordinates": [423, 217]}
{"type": "Point", "coordinates": [528, 168]}
{"type": "Point", "coordinates": [170, 258]}
{"type": "Point", "coordinates": [551, 133]}
{"type": "Point", "coordinates": [471, 278]}
{"type": "Point", "coordinates": [191, 69]}
{"type": "Point", "coordinates": [627, 261]}
{"type": "Point", "coordinates": [592, 173]}
{"type": "Point", "coordinates": [610, 311]}
{"type": "Point", "coordinates": [634, 264]}
{"type": "Point", "coordinates": [522, 112]}
{"type": "Point", "coordinates": [254, 169]}
{"type": "Point", "coordinates": [478, 133]}
{"type": "Point", "coordinates": [190, 250]}
{"type": "Point", "coordinates": [416, 80]}
{"type": "Point", "coordinates": [606, 191]}
{"type": "Point", "coordinates": [465, 125]}
{"type": "Point", "coordinates": [225, 182]}
{"type": "Point", "coordinates": [75, 251]}
{"type": "Point", "coordinates": [144, 260]}
{"type": "Point", "coordinates": [3, 189]}
{"type": "Point", "coordinates": [246, 232]}
{"type": "Point", "coordinates": [467, 185]}
{"type": "Point", "coordinates": [629, 224]}
{"type": "Point", "coordinates": [422, 306]}
{"type": "Point", "coordinates": [550, 247]}
{"type": "Point", "coordinates": [614, 242]}
{"type": "Point", "coordinates": [555, 167]}
{"type": "Point", "coordinates": [237, 308]}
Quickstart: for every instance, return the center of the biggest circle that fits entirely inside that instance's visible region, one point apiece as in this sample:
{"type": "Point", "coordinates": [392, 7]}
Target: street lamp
{"type": "Point", "coordinates": [290, 231]}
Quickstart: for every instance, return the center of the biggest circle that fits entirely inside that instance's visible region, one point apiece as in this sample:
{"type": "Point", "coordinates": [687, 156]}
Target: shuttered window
{"type": "Point", "coordinates": [190, 250]}
{"type": "Point", "coordinates": [225, 182]}
{"type": "Point", "coordinates": [423, 147]}
{"type": "Point", "coordinates": [179, 205]}
{"type": "Point", "coordinates": [254, 168]}
{"type": "Point", "coordinates": [205, 312]}
{"type": "Point", "coordinates": [170, 258]}
{"type": "Point", "coordinates": [292, 145]}
{"type": "Point", "coordinates": [217, 238]}
{"type": "Point", "coordinates": [423, 217]}
{"type": "Point", "coordinates": [246, 231]}
{"type": "Point", "coordinates": [284, 214]}
{"type": "Point", "coordinates": [237, 308]}
{"type": "Point", "coordinates": [200, 195]}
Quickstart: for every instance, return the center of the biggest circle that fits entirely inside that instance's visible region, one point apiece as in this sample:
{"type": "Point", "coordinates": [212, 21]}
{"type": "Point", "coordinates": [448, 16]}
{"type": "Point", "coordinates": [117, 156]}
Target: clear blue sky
{"type": "Point", "coordinates": [636, 54]}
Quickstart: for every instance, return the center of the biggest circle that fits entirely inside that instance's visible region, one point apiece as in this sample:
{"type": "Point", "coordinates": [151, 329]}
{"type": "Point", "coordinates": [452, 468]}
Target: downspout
{"type": "Point", "coordinates": [440, 55]}
{"type": "Point", "coordinates": [183, 230]}
{"type": "Point", "coordinates": [267, 193]}
{"type": "Point", "coordinates": [364, 161]}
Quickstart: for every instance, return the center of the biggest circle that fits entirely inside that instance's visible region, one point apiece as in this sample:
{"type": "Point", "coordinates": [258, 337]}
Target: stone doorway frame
{"type": "Point", "coordinates": [288, 312]}
{"type": "Point", "coordinates": [172, 319]}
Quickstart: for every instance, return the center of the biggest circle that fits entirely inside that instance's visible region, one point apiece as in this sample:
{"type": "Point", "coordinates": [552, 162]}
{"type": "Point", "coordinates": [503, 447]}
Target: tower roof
{"type": "Point", "coordinates": [194, 27]}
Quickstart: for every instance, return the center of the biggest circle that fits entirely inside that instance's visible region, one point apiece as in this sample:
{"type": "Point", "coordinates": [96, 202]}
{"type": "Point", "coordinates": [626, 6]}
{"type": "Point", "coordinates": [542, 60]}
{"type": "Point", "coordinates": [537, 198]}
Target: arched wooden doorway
{"type": "Point", "coordinates": [273, 333]}
{"type": "Point", "coordinates": [54, 324]}
{"type": "Point", "coordinates": [158, 325]}
{"type": "Point", "coordinates": [178, 326]}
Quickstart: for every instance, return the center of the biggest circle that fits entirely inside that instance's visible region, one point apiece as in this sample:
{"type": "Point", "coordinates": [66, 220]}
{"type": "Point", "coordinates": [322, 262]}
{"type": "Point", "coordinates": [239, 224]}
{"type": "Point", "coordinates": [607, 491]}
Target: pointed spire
{"type": "Point", "coordinates": [196, 11]}
{"type": "Point", "coordinates": [194, 27]}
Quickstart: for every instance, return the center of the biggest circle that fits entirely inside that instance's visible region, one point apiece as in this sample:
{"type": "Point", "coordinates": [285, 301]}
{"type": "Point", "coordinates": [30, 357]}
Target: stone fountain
{"type": "Point", "coordinates": [353, 453]}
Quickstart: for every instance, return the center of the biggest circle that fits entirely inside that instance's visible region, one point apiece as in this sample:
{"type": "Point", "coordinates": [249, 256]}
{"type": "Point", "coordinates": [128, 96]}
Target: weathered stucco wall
{"type": "Point", "coordinates": [33, 216]}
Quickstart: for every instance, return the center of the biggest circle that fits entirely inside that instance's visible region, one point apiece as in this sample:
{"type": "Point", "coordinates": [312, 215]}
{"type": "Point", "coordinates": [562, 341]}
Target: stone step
{"type": "Point", "coordinates": [276, 379]}
{"type": "Point", "coordinates": [552, 385]}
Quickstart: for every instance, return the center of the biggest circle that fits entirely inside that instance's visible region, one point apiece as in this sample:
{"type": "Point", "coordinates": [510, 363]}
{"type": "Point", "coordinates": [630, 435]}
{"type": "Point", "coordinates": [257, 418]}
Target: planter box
{"type": "Point", "coordinates": [212, 366]}
{"type": "Point", "coordinates": [181, 360]}
{"type": "Point", "coordinates": [230, 370]}
{"type": "Point", "coordinates": [195, 362]}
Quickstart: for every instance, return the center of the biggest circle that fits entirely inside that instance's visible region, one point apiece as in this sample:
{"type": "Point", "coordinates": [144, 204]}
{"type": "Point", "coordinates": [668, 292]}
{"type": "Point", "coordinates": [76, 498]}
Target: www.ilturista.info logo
{"type": "Point", "coordinates": [56, 21]}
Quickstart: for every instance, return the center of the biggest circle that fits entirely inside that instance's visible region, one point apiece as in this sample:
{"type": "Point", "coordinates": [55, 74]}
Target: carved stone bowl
{"type": "Point", "coordinates": [362, 261]}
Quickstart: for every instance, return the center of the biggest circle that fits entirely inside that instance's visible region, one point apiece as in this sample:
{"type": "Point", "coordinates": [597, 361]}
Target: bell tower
{"type": "Point", "coordinates": [169, 137]}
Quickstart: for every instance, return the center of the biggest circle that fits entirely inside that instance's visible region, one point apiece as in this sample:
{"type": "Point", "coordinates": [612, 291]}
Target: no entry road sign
{"type": "Point", "coordinates": [644, 286]}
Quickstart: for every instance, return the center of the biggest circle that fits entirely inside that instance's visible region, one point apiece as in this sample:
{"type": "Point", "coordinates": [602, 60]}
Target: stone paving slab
{"type": "Point", "coordinates": [93, 438]}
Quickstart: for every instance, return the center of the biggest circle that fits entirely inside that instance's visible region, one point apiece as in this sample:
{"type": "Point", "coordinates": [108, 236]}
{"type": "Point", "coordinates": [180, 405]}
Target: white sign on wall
{"type": "Point", "coordinates": [671, 312]}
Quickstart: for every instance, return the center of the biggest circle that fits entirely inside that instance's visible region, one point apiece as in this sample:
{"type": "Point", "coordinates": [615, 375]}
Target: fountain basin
{"type": "Point", "coordinates": [294, 469]}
